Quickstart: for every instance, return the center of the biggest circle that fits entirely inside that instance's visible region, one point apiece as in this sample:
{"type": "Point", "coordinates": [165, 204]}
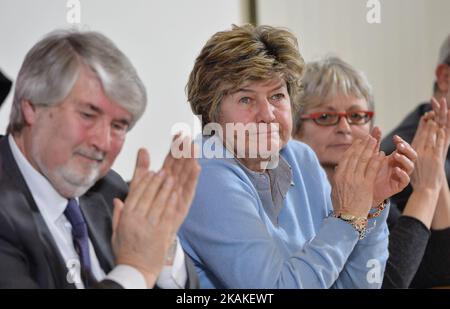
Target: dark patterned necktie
{"type": "Point", "coordinates": [80, 240]}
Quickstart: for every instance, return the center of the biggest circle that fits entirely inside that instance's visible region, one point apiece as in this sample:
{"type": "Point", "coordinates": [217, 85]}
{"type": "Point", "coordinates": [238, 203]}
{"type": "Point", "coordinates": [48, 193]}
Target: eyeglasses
{"type": "Point", "coordinates": [333, 118]}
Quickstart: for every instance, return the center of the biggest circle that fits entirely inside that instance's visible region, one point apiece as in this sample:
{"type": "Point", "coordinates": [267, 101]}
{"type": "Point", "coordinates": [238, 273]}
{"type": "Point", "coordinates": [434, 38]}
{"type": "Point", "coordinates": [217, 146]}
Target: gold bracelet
{"type": "Point", "coordinates": [379, 210]}
{"type": "Point", "coordinates": [358, 223]}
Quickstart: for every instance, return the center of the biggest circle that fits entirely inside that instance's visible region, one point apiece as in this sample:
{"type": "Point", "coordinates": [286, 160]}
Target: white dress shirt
{"type": "Point", "coordinates": [52, 205]}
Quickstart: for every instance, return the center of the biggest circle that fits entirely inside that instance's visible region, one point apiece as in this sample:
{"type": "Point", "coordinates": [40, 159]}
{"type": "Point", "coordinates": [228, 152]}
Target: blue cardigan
{"type": "Point", "coordinates": [234, 244]}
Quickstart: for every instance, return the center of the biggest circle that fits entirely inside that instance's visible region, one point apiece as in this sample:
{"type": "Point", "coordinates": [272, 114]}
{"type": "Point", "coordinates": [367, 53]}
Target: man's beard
{"type": "Point", "coordinates": [67, 181]}
{"type": "Point", "coordinates": [76, 182]}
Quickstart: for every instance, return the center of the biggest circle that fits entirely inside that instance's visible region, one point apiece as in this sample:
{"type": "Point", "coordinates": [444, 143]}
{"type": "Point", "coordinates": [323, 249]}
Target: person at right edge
{"type": "Point", "coordinates": [434, 270]}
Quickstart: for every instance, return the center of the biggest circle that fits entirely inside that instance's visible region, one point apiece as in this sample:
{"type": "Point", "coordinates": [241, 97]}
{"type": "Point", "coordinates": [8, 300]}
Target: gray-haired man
{"type": "Point", "coordinates": [75, 99]}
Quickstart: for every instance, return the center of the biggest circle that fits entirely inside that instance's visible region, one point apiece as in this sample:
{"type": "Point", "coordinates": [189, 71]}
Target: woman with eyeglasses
{"type": "Point", "coordinates": [337, 107]}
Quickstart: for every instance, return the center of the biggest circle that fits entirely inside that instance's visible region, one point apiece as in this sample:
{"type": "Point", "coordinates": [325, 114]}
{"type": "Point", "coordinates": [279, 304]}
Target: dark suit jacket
{"type": "Point", "coordinates": [29, 257]}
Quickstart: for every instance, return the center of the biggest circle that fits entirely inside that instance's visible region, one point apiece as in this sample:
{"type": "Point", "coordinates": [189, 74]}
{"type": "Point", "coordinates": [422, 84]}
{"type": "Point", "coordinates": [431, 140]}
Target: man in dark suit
{"type": "Point", "coordinates": [76, 98]}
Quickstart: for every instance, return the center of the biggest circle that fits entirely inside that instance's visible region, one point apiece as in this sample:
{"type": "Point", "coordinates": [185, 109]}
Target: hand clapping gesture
{"type": "Point", "coordinates": [441, 115]}
{"type": "Point", "coordinates": [355, 176]}
{"type": "Point", "coordinates": [429, 142]}
{"type": "Point", "coordinates": [146, 223]}
{"type": "Point", "coordinates": [395, 169]}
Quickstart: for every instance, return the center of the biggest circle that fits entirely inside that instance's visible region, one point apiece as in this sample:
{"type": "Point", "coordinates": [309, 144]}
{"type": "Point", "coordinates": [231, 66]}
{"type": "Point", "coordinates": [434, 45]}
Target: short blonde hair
{"type": "Point", "coordinates": [326, 79]}
{"type": "Point", "coordinates": [243, 54]}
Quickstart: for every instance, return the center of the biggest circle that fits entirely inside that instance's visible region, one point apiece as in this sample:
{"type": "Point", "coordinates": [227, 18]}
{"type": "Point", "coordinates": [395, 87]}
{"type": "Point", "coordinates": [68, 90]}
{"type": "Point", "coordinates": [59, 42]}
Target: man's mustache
{"type": "Point", "coordinates": [91, 154]}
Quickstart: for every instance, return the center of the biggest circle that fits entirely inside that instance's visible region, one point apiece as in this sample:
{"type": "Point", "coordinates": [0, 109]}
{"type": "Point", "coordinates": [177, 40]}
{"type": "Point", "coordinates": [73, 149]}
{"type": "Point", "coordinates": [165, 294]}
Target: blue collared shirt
{"type": "Point", "coordinates": [238, 238]}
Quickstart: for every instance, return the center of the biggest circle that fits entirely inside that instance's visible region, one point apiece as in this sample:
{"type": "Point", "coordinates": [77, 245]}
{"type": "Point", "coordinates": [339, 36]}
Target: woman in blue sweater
{"type": "Point", "coordinates": [264, 215]}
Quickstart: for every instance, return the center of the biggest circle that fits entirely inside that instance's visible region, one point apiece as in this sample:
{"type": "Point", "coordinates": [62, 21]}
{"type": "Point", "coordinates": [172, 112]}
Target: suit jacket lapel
{"type": "Point", "coordinates": [98, 221]}
{"type": "Point", "coordinates": [54, 258]}
{"type": "Point", "coordinates": [56, 262]}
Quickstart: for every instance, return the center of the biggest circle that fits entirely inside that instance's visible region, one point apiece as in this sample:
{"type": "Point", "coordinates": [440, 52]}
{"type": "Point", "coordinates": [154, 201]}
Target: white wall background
{"type": "Point", "coordinates": [161, 37]}
{"type": "Point", "coordinates": [398, 55]}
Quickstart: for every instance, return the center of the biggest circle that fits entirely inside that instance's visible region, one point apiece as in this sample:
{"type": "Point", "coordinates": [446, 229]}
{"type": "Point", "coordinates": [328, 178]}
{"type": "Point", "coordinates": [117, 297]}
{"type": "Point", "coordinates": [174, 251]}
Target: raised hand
{"type": "Point", "coordinates": [441, 115]}
{"type": "Point", "coordinates": [395, 169]}
{"type": "Point", "coordinates": [429, 143]}
{"type": "Point", "coordinates": [353, 182]}
{"type": "Point", "coordinates": [185, 171]}
{"type": "Point", "coordinates": [144, 226]}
